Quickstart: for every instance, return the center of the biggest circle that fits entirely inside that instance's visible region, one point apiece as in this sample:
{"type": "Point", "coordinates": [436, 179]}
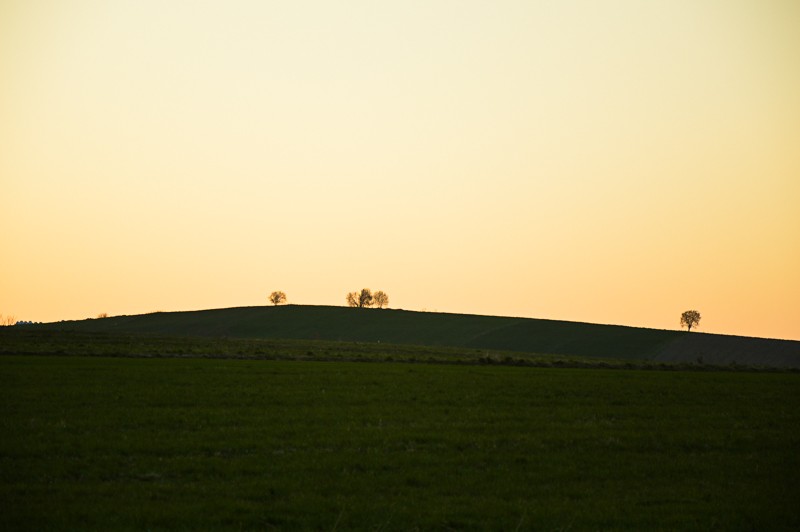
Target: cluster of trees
{"type": "Point", "coordinates": [7, 321]}
{"type": "Point", "coordinates": [363, 299]}
{"type": "Point", "coordinates": [366, 298]}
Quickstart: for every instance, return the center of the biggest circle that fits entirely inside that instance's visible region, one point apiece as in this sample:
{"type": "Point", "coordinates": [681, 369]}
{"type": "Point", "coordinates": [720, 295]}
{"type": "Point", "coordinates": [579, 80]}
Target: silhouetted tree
{"type": "Point", "coordinates": [380, 298]}
{"type": "Point", "coordinates": [690, 319]}
{"type": "Point", "coordinates": [7, 321]}
{"type": "Point", "coordinates": [361, 299]}
{"type": "Point", "coordinates": [102, 315]}
{"type": "Point", "coordinates": [276, 298]}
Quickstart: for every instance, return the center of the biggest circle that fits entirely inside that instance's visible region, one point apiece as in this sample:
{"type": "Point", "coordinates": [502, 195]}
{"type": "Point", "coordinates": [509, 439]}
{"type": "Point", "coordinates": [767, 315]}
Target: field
{"type": "Point", "coordinates": [162, 440]}
{"type": "Point", "coordinates": [37, 341]}
{"type": "Point", "coordinates": [486, 333]}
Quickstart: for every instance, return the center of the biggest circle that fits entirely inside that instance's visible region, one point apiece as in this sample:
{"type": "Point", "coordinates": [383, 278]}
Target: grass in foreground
{"type": "Point", "coordinates": [67, 343]}
{"type": "Point", "coordinates": [173, 443]}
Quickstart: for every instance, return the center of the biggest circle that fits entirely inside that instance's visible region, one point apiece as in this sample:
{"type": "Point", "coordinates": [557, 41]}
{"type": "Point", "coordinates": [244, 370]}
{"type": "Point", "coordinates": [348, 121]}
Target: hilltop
{"type": "Point", "coordinates": [305, 322]}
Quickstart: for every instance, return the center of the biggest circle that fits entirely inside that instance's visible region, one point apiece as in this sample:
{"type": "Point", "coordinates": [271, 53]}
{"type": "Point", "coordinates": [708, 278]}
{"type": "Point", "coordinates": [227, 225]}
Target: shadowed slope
{"type": "Point", "coordinates": [453, 330]}
{"type": "Point", "coordinates": [722, 350]}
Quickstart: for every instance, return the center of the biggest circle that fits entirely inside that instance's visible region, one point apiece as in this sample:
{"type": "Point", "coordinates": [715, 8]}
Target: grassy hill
{"type": "Point", "coordinates": [451, 330]}
{"type": "Point", "coordinates": [206, 420]}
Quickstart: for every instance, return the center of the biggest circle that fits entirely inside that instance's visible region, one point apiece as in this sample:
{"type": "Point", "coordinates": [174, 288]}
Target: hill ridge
{"type": "Point", "coordinates": [469, 331]}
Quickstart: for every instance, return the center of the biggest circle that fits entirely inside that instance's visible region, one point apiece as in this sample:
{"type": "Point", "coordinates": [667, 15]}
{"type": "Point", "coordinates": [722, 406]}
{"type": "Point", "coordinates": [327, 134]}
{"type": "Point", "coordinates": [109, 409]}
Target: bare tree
{"type": "Point", "coordinates": [361, 299]}
{"type": "Point", "coordinates": [102, 315]}
{"type": "Point", "coordinates": [381, 299]}
{"type": "Point", "coordinates": [365, 298]}
{"type": "Point", "coordinates": [276, 298]}
{"type": "Point", "coordinates": [690, 319]}
{"type": "Point", "coordinates": [7, 321]}
{"type": "Point", "coordinates": [352, 299]}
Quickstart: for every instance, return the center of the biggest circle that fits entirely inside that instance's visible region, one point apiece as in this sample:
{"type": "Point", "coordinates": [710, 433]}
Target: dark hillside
{"type": "Point", "coordinates": [722, 350]}
{"type": "Point", "coordinates": [572, 338]}
{"type": "Point", "coordinates": [392, 326]}
{"type": "Point", "coordinates": [452, 330]}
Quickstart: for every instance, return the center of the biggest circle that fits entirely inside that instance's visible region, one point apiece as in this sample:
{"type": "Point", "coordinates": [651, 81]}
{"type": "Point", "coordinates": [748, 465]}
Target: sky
{"type": "Point", "coordinates": [610, 162]}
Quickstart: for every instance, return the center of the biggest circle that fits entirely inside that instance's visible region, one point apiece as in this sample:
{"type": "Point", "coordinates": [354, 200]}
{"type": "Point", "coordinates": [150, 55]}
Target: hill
{"type": "Point", "coordinates": [452, 330]}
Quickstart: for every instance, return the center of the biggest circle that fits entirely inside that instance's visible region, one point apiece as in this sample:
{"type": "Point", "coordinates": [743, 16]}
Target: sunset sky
{"type": "Point", "coordinates": [602, 161]}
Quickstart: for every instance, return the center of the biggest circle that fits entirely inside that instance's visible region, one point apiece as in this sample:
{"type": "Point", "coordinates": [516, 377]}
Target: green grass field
{"type": "Point", "coordinates": [99, 443]}
{"type": "Point", "coordinates": [35, 341]}
{"type": "Point", "coordinates": [307, 322]}
{"type": "Point", "coordinates": [486, 333]}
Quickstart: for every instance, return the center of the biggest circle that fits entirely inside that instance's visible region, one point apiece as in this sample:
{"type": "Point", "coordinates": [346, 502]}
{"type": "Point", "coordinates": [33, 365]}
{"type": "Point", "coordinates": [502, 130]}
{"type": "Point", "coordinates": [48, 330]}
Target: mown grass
{"type": "Point", "coordinates": [196, 443]}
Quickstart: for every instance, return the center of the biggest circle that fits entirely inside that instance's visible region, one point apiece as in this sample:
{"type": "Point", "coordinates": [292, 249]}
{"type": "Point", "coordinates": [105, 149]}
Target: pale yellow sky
{"type": "Point", "coordinates": [613, 162]}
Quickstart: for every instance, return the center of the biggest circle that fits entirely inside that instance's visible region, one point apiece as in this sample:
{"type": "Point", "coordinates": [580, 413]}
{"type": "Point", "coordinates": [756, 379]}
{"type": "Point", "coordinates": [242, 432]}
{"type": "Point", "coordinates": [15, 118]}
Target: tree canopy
{"type": "Point", "coordinates": [361, 299]}
{"type": "Point", "coordinates": [690, 319]}
{"type": "Point", "coordinates": [276, 298]}
{"type": "Point", "coordinates": [365, 298]}
{"type": "Point", "coordinates": [380, 299]}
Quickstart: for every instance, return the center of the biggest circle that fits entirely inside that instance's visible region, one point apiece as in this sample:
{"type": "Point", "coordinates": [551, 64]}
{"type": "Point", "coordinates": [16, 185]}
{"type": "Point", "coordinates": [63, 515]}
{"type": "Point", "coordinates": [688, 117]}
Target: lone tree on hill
{"type": "Point", "coordinates": [381, 299]}
{"type": "Point", "coordinates": [361, 299]}
{"type": "Point", "coordinates": [276, 298]}
{"type": "Point", "coordinates": [690, 319]}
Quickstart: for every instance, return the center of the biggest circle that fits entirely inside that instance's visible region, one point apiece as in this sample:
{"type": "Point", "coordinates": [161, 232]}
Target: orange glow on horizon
{"type": "Point", "coordinates": [616, 163]}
